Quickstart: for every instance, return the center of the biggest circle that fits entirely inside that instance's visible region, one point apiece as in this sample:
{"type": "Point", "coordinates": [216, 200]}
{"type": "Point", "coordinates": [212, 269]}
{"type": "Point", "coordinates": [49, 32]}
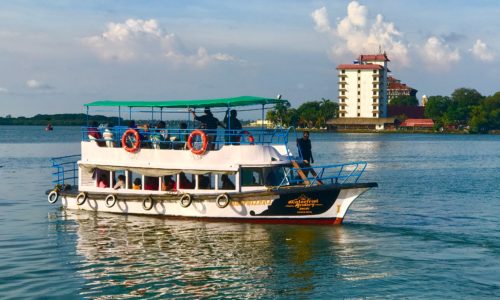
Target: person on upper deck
{"type": "Point", "coordinates": [120, 183]}
{"type": "Point", "coordinates": [209, 122]}
{"type": "Point", "coordinates": [232, 126]}
{"type": "Point", "coordinates": [94, 134]}
{"type": "Point", "coordinates": [304, 146]}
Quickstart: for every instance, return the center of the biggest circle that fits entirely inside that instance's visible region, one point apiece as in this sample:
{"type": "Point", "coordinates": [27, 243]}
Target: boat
{"type": "Point", "coordinates": [247, 175]}
{"type": "Point", "coordinates": [49, 127]}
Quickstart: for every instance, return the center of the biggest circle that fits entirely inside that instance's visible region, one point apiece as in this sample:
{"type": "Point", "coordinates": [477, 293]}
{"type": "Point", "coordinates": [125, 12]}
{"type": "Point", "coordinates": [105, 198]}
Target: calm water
{"type": "Point", "coordinates": [430, 230]}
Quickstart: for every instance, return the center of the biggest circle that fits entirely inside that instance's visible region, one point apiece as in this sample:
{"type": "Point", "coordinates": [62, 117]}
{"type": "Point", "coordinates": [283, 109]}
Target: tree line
{"type": "Point", "coordinates": [312, 114]}
{"type": "Point", "coordinates": [464, 108]}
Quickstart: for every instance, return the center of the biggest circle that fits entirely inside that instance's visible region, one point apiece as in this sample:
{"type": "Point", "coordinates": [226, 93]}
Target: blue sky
{"type": "Point", "coordinates": [57, 55]}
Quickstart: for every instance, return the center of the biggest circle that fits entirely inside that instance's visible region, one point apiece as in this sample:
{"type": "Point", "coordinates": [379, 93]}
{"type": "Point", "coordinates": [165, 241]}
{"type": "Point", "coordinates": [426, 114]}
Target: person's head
{"type": "Point", "coordinates": [224, 178]}
{"type": "Point", "coordinates": [121, 177]}
{"type": "Point", "coordinates": [137, 181]}
{"type": "Point", "coordinates": [183, 125]}
{"type": "Point", "coordinates": [160, 124]}
{"type": "Point", "coordinates": [131, 124]}
{"type": "Point", "coordinates": [234, 113]}
{"type": "Point", "coordinates": [168, 178]}
{"type": "Point", "coordinates": [305, 135]}
{"type": "Point", "coordinates": [207, 111]}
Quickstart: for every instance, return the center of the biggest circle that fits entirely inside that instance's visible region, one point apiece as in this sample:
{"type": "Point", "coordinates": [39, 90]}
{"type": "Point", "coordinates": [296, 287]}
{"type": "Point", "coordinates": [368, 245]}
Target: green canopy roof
{"type": "Point", "coordinates": [221, 102]}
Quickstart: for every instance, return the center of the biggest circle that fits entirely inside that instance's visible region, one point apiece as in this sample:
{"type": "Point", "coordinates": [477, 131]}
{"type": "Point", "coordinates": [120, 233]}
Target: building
{"type": "Point", "coordinates": [363, 93]}
{"type": "Point", "coordinates": [395, 89]}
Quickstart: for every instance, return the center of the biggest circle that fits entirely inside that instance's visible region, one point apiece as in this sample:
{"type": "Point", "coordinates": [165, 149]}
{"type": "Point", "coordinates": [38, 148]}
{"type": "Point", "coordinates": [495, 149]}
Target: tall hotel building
{"type": "Point", "coordinates": [363, 93]}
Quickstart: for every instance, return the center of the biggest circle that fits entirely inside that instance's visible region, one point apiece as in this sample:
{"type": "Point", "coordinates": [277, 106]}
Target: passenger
{"type": "Point", "coordinates": [184, 183]}
{"type": "Point", "coordinates": [120, 183]}
{"type": "Point", "coordinates": [232, 126]}
{"type": "Point", "coordinates": [131, 124]}
{"type": "Point", "coordinates": [103, 181]}
{"type": "Point", "coordinates": [227, 184]}
{"type": "Point", "coordinates": [144, 134]}
{"type": "Point", "coordinates": [150, 183]}
{"type": "Point", "coordinates": [137, 184]}
{"type": "Point", "coordinates": [94, 134]}
{"type": "Point", "coordinates": [210, 123]}
{"type": "Point", "coordinates": [108, 136]}
{"type": "Point", "coordinates": [180, 142]}
{"type": "Point", "coordinates": [304, 146]}
{"type": "Point", "coordinates": [168, 184]}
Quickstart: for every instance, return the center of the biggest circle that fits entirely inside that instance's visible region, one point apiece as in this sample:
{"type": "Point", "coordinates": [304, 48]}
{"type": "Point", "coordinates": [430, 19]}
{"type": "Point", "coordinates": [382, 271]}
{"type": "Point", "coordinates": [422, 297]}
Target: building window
{"type": "Point", "coordinates": [359, 114]}
{"type": "Point", "coordinates": [375, 100]}
{"type": "Point", "coordinates": [359, 71]}
{"type": "Point", "coordinates": [343, 86]}
{"type": "Point", "coordinates": [359, 100]}
{"type": "Point", "coordinates": [374, 93]}
{"type": "Point", "coordinates": [359, 85]}
{"type": "Point", "coordinates": [342, 114]}
{"type": "Point", "coordinates": [374, 71]}
{"type": "Point", "coordinates": [374, 86]}
{"type": "Point", "coordinates": [374, 115]}
{"type": "Point", "coordinates": [359, 93]}
{"type": "Point", "coordinates": [343, 92]}
{"type": "Point", "coordinates": [343, 71]}
{"type": "Point", "coordinates": [359, 78]}
{"type": "Point", "coordinates": [359, 107]}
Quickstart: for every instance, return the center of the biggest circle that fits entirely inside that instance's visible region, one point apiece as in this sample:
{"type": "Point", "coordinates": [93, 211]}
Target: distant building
{"type": "Point", "coordinates": [260, 123]}
{"type": "Point", "coordinates": [395, 89]}
{"type": "Point", "coordinates": [363, 93]}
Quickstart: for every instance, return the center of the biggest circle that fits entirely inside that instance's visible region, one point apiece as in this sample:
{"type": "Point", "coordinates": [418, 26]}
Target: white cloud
{"type": "Point", "coordinates": [320, 17]}
{"type": "Point", "coordinates": [438, 54]}
{"type": "Point", "coordinates": [137, 39]}
{"type": "Point", "coordinates": [360, 35]}
{"type": "Point", "coordinates": [481, 51]}
{"type": "Point", "coordinates": [37, 85]}
{"type": "Point", "coordinates": [3, 90]}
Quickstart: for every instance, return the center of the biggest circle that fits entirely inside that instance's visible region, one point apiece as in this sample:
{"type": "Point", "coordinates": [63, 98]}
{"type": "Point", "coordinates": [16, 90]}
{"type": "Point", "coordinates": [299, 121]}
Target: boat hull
{"type": "Point", "coordinates": [327, 204]}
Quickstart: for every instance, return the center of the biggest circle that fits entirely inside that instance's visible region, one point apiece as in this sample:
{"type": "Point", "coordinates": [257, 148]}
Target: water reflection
{"type": "Point", "coordinates": [130, 256]}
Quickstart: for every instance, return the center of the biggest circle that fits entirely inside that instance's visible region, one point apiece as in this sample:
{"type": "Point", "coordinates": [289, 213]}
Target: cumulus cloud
{"type": "Point", "coordinates": [37, 85]}
{"type": "Point", "coordinates": [137, 39]}
{"type": "Point", "coordinates": [437, 54]}
{"type": "Point", "coordinates": [360, 35]}
{"type": "Point", "coordinates": [481, 51]}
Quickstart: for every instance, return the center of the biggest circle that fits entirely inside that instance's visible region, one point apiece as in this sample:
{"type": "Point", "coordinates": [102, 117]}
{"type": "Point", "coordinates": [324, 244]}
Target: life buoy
{"type": "Point", "coordinates": [110, 200]}
{"type": "Point", "coordinates": [148, 203]}
{"type": "Point", "coordinates": [222, 200]}
{"type": "Point", "coordinates": [53, 196]}
{"type": "Point", "coordinates": [81, 198]}
{"type": "Point", "coordinates": [136, 144]}
{"type": "Point", "coordinates": [204, 142]}
{"type": "Point", "coordinates": [185, 200]}
{"type": "Point", "coordinates": [249, 137]}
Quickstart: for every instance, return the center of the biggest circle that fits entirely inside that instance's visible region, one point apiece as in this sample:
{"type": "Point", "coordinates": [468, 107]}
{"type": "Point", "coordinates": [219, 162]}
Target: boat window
{"type": "Point", "coordinates": [251, 177]}
{"type": "Point", "coordinates": [186, 180]}
{"type": "Point", "coordinates": [227, 182]}
{"type": "Point", "coordinates": [101, 178]}
{"type": "Point", "coordinates": [135, 181]}
{"type": "Point", "coordinates": [151, 183]}
{"type": "Point", "coordinates": [117, 175]}
{"type": "Point", "coordinates": [205, 181]}
{"type": "Point", "coordinates": [274, 176]}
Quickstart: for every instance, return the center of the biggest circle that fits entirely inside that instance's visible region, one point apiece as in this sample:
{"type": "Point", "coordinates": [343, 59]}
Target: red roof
{"type": "Point", "coordinates": [373, 57]}
{"type": "Point", "coordinates": [360, 67]}
{"type": "Point", "coordinates": [418, 123]}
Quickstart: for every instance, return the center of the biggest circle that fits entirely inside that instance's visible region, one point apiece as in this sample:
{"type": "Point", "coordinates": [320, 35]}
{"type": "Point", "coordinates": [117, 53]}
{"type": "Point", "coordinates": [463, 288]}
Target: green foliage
{"type": "Point", "coordinates": [308, 114]}
{"type": "Point", "coordinates": [486, 116]}
{"type": "Point", "coordinates": [58, 120]}
{"type": "Point", "coordinates": [404, 101]}
{"type": "Point", "coordinates": [437, 106]}
{"type": "Point", "coordinates": [463, 101]}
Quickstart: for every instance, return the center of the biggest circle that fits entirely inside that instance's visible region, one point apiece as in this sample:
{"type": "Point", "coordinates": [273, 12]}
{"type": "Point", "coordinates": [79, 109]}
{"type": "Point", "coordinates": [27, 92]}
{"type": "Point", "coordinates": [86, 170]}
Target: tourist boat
{"type": "Point", "coordinates": [234, 175]}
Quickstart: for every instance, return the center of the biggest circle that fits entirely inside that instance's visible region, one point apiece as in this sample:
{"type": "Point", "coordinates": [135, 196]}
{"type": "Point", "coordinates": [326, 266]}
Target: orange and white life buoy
{"type": "Point", "coordinates": [204, 142]}
{"type": "Point", "coordinates": [249, 137]}
{"type": "Point", "coordinates": [137, 143]}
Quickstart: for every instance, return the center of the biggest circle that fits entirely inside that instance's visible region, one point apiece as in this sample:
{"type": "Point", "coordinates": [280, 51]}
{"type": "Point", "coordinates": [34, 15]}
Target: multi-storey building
{"type": "Point", "coordinates": [363, 92]}
{"type": "Point", "coordinates": [395, 89]}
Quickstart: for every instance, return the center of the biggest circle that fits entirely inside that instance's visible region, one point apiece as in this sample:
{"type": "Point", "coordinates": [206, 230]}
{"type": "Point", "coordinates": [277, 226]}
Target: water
{"type": "Point", "coordinates": [430, 230]}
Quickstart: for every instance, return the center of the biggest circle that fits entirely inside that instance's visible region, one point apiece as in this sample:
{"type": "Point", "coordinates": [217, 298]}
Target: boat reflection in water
{"type": "Point", "coordinates": [128, 255]}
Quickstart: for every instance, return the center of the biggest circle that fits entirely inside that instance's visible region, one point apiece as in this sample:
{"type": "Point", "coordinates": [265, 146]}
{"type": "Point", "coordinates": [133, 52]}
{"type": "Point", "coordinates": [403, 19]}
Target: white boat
{"type": "Point", "coordinates": [249, 176]}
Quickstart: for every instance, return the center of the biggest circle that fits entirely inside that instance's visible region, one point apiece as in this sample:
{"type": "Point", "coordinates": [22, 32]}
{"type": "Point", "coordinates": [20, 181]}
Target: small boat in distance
{"type": "Point", "coordinates": [49, 127]}
{"type": "Point", "coordinates": [231, 174]}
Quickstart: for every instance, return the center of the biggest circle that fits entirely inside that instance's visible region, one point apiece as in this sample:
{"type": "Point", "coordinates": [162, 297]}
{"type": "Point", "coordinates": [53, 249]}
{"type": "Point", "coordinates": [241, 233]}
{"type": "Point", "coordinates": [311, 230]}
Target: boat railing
{"type": "Point", "coordinates": [326, 174]}
{"type": "Point", "coordinates": [166, 138]}
{"type": "Point", "coordinates": [65, 170]}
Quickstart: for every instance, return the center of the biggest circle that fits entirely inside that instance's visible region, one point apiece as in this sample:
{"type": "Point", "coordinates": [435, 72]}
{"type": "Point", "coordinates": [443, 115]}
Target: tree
{"type": "Point", "coordinates": [486, 116]}
{"type": "Point", "coordinates": [328, 110]}
{"type": "Point", "coordinates": [436, 107]}
{"type": "Point", "coordinates": [463, 101]}
{"type": "Point", "coordinates": [404, 101]}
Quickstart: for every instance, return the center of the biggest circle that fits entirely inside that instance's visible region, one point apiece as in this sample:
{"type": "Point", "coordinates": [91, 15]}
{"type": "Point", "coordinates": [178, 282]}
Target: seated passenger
{"type": "Point", "coordinates": [150, 183]}
{"type": "Point", "coordinates": [120, 183]}
{"type": "Point", "coordinates": [108, 136]}
{"type": "Point", "coordinates": [137, 184]}
{"type": "Point", "coordinates": [181, 139]}
{"type": "Point", "coordinates": [168, 184]}
{"type": "Point", "coordinates": [94, 134]}
{"type": "Point", "coordinates": [103, 181]}
{"type": "Point", "coordinates": [227, 184]}
{"type": "Point", "coordinates": [184, 183]}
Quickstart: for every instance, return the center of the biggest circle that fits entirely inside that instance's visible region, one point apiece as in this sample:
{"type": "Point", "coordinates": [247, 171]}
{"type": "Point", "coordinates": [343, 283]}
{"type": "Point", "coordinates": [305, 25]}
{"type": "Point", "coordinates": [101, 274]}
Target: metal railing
{"type": "Point", "coordinates": [326, 174]}
{"type": "Point", "coordinates": [65, 170]}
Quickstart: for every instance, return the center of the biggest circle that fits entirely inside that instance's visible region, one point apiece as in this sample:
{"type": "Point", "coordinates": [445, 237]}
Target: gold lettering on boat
{"type": "Point", "coordinates": [303, 204]}
{"type": "Point", "coordinates": [252, 202]}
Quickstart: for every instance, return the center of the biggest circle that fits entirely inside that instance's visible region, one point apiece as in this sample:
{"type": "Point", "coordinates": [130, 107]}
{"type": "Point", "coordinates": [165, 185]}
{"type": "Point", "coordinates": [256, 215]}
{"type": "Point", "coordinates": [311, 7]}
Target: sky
{"type": "Point", "coordinates": [57, 55]}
